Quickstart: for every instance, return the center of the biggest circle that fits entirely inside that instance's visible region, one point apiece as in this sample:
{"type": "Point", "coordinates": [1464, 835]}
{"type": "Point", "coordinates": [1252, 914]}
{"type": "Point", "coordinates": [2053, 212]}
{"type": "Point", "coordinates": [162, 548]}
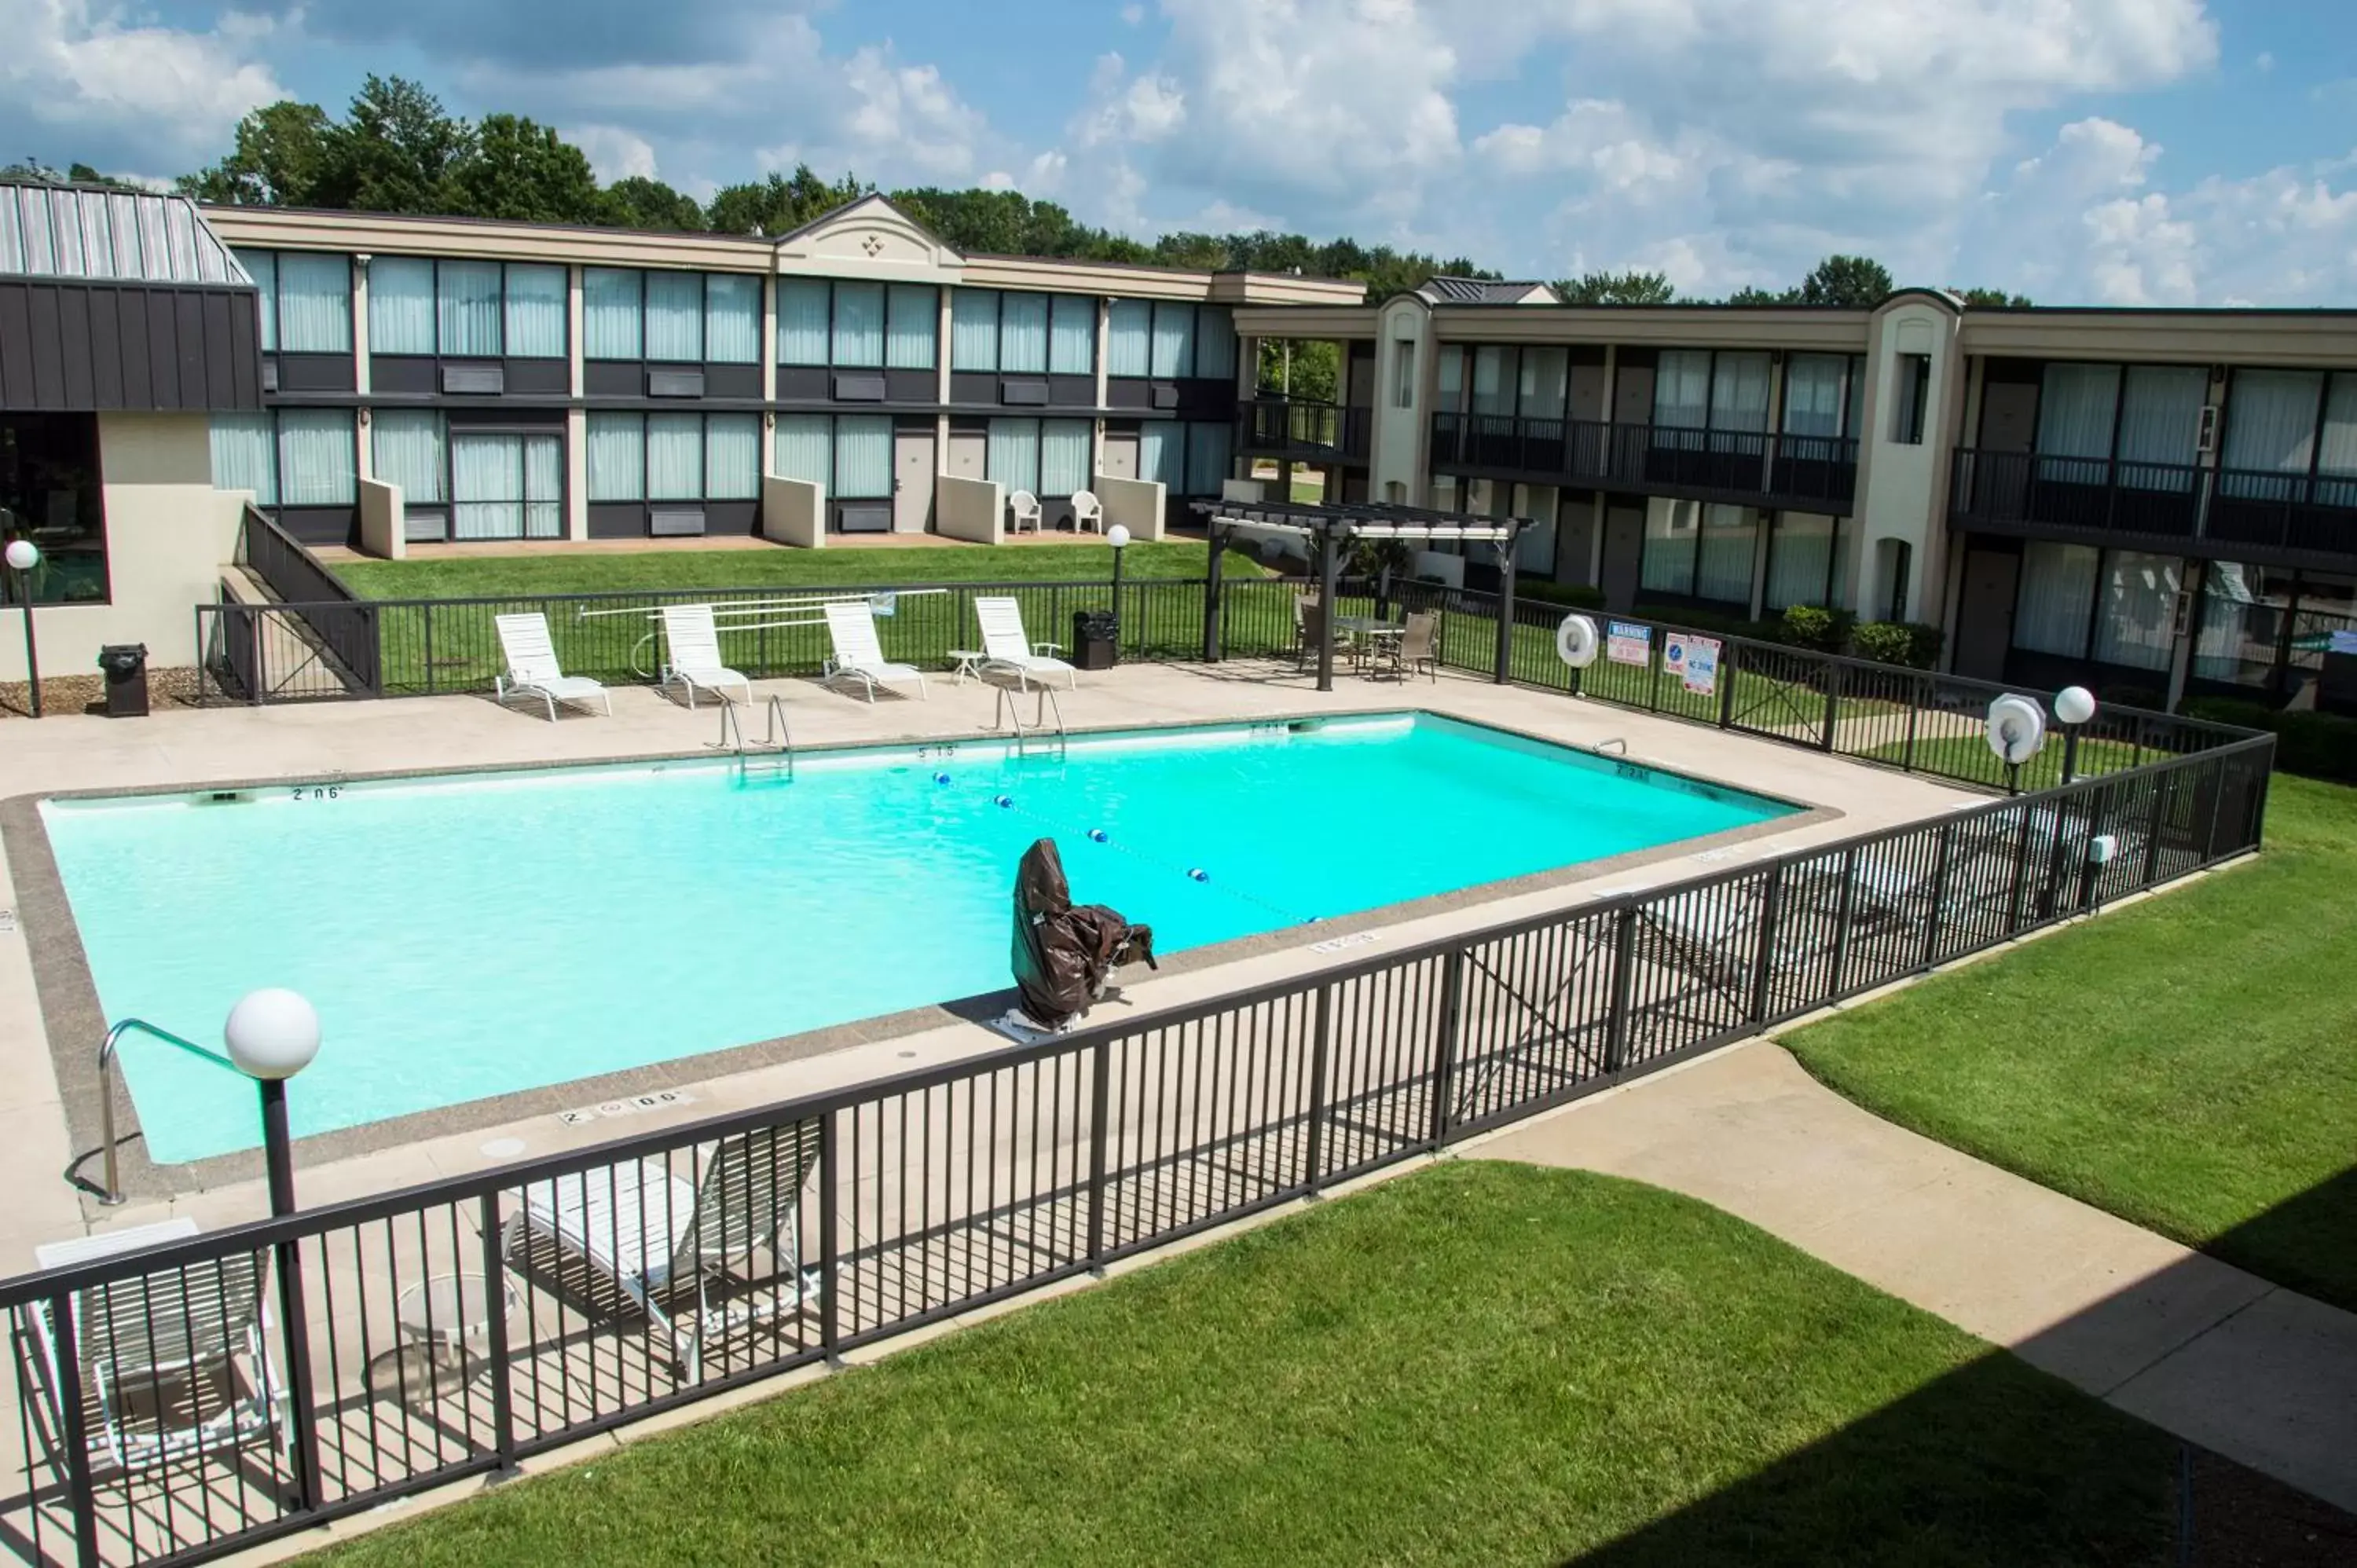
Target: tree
{"type": "Point", "coordinates": [517, 169]}
{"type": "Point", "coordinates": [1616, 288]}
{"type": "Point", "coordinates": [1748, 294]}
{"type": "Point", "coordinates": [395, 151]}
{"type": "Point", "coordinates": [638, 202]}
{"type": "Point", "coordinates": [1991, 299]}
{"type": "Point", "coordinates": [780, 204]}
{"type": "Point", "coordinates": [1860, 283]}
{"type": "Point", "coordinates": [1309, 370]}
{"type": "Point", "coordinates": [280, 159]}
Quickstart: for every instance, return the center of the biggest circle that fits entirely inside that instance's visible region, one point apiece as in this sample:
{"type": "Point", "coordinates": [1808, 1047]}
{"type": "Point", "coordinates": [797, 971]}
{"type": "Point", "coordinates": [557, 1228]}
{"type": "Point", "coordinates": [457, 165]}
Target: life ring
{"type": "Point", "coordinates": [2017, 728]}
{"type": "Point", "coordinates": [1574, 641]}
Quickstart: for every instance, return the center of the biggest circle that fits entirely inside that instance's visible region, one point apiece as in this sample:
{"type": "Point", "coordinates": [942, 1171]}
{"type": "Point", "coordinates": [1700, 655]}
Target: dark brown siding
{"type": "Point", "coordinates": [71, 347]}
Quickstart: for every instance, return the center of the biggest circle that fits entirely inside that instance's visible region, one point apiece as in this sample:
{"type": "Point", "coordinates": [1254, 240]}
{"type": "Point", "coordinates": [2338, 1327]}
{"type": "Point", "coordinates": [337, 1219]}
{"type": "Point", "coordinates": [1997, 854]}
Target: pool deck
{"type": "Point", "coordinates": [322, 742]}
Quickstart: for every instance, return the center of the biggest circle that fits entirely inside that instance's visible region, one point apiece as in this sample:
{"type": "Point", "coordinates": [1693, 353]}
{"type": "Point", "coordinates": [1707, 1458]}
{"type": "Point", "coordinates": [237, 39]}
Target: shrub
{"type": "Point", "coordinates": [1572, 596]}
{"type": "Point", "coordinates": [1712, 622]}
{"type": "Point", "coordinates": [1910, 643]}
{"type": "Point", "coordinates": [2316, 745]}
{"type": "Point", "coordinates": [1817, 629]}
{"type": "Point", "coordinates": [2126, 696]}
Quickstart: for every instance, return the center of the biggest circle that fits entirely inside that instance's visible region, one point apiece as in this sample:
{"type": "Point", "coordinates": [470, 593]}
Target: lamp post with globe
{"type": "Point", "coordinates": [22, 557]}
{"type": "Point", "coordinates": [1118, 537]}
{"type": "Point", "coordinates": [2073, 705]}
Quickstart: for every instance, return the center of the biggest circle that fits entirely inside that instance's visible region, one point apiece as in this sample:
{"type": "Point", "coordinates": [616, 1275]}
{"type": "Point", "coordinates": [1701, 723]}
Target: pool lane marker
{"type": "Point", "coordinates": [638, 1105]}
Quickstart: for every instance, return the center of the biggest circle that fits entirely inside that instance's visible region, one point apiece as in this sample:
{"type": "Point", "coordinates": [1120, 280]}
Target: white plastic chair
{"type": "Point", "coordinates": [1022, 507]}
{"type": "Point", "coordinates": [1087, 511]}
{"type": "Point", "coordinates": [532, 670]}
{"type": "Point", "coordinates": [1006, 647]}
{"type": "Point", "coordinates": [694, 642]}
{"type": "Point", "coordinates": [859, 653]}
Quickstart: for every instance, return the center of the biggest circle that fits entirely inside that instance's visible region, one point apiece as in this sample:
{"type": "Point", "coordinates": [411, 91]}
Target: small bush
{"type": "Point", "coordinates": [1907, 642]}
{"type": "Point", "coordinates": [1713, 622]}
{"type": "Point", "coordinates": [1817, 629]}
{"type": "Point", "coordinates": [1572, 596]}
{"type": "Point", "coordinates": [2313, 744]}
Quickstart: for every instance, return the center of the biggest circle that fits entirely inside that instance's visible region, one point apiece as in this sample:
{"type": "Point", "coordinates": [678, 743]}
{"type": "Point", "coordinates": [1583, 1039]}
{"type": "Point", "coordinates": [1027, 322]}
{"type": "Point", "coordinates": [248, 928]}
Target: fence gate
{"type": "Point", "coordinates": [274, 653]}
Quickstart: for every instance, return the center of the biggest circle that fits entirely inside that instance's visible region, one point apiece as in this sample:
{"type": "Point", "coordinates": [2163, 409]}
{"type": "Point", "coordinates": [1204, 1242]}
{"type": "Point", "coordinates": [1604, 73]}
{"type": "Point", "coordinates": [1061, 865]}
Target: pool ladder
{"type": "Point", "coordinates": [773, 755]}
{"type": "Point", "coordinates": [111, 1192]}
{"type": "Point", "coordinates": [1009, 714]}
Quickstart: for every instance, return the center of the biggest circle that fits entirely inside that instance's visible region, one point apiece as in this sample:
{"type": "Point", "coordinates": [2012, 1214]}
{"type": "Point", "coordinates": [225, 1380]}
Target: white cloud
{"type": "Point", "coordinates": [614, 153]}
{"type": "Point", "coordinates": [100, 74]}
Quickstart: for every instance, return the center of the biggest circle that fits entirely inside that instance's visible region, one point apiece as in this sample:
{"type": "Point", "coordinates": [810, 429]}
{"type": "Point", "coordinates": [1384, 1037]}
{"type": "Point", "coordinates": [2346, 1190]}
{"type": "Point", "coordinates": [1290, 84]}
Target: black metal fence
{"type": "Point", "coordinates": [319, 640]}
{"type": "Point", "coordinates": [456, 1328]}
{"type": "Point", "coordinates": [1803, 471]}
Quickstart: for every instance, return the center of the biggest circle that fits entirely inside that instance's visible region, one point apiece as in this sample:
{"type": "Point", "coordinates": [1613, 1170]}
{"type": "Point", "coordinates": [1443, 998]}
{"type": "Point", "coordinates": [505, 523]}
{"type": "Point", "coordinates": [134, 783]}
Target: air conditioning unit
{"type": "Point", "coordinates": [675, 523]}
{"type": "Point", "coordinates": [418, 527]}
{"type": "Point", "coordinates": [674, 383]}
{"type": "Point", "coordinates": [2205, 436]}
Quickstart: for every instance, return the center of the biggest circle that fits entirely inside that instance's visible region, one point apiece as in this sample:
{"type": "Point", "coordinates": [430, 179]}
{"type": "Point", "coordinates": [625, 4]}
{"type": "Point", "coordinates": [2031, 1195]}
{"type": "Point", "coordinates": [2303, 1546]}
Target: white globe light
{"type": "Point", "coordinates": [272, 1034]}
{"type": "Point", "coordinates": [1117, 535]}
{"type": "Point", "coordinates": [2075, 704]}
{"type": "Point", "coordinates": [23, 555]}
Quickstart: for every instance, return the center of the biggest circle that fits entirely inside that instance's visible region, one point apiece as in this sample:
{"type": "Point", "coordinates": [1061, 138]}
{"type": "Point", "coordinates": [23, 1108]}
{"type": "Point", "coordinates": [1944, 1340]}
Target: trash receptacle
{"type": "Point", "coordinates": [1096, 638]}
{"type": "Point", "coordinates": [125, 664]}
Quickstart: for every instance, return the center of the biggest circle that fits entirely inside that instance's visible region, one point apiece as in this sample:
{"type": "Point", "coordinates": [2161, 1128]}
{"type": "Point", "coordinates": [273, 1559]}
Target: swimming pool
{"type": "Point", "coordinates": [472, 935]}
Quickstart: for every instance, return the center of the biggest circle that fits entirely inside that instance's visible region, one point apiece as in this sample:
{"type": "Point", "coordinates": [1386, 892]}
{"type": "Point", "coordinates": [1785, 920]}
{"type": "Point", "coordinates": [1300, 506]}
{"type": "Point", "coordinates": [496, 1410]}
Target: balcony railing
{"type": "Point", "coordinates": [1286, 427]}
{"type": "Point", "coordinates": [1756, 467]}
{"type": "Point", "coordinates": [2232, 513]}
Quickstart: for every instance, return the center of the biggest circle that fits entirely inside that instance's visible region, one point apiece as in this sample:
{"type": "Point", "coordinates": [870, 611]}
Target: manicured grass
{"type": "Point", "coordinates": [1969, 756]}
{"type": "Point", "coordinates": [2189, 1064]}
{"type": "Point", "coordinates": [494, 577]}
{"type": "Point", "coordinates": [1478, 1364]}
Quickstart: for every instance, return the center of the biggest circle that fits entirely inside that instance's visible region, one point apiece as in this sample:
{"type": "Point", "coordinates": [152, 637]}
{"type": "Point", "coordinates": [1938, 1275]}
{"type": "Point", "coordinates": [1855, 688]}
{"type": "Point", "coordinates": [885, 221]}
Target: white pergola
{"type": "Point", "coordinates": [1331, 527]}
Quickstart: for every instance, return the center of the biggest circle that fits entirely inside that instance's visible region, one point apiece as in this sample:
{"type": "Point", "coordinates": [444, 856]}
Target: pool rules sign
{"type": "Point", "coordinates": [1693, 659]}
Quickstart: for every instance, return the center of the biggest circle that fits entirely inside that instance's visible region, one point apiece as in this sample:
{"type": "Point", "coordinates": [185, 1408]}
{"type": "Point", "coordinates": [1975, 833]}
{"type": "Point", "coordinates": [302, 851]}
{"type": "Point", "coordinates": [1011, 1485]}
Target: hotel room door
{"type": "Point", "coordinates": [912, 481]}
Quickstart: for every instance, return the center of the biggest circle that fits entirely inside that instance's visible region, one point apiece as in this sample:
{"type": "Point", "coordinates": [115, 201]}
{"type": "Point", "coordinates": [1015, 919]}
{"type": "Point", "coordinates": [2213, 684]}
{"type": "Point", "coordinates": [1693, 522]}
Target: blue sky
{"type": "Point", "coordinates": [2112, 151]}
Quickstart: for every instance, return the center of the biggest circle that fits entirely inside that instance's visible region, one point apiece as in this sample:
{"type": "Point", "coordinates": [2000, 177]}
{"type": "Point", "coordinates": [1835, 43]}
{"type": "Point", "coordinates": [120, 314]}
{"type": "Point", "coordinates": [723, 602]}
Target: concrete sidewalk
{"type": "Point", "coordinates": [2263, 1375]}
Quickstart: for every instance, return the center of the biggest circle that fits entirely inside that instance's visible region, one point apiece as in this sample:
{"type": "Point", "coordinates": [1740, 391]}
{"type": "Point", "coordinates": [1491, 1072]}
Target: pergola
{"type": "Point", "coordinates": [1333, 528]}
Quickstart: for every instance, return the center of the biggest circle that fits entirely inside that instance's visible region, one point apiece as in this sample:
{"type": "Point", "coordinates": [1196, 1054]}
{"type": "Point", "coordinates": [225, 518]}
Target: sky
{"type": "Point", "coordinates": [2119, 152]}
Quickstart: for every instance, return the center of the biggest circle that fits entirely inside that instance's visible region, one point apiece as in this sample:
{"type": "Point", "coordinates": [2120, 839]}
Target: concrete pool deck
{"type": "Point", "coordinates": [319, 743]}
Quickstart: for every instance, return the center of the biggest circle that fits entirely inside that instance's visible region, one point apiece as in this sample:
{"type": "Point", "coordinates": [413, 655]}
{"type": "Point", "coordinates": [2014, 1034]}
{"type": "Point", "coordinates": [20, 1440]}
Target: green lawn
{"type": "Point", "coordinates": [1969, 756]}
{"type": "Point", "coordinates": [492, 576]}
{"type": "Point", "coordinates": [1477, 1364]}
{"type": "Point", "coordinates": [2189, 1064]}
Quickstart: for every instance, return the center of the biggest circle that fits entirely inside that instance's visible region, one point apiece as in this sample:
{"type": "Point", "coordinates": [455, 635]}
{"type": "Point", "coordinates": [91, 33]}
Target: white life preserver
{"type": "Point", "coordinates": [2017, 728]}
{"type": "Point", "coordinates": [1574, 641]}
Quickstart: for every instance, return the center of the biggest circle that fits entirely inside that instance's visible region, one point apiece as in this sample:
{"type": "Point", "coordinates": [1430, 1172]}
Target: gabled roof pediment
{"type": "Point", "coordinates": [870, 237]}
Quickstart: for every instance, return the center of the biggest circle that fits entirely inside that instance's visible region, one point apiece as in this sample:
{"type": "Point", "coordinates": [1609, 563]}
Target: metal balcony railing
{"type": "Point", "coordinates": [2234, 514]}
{"type": "Point", "coordinates": [1291, 427]}
{"type": "Point", "coordinates": [1756, 467]}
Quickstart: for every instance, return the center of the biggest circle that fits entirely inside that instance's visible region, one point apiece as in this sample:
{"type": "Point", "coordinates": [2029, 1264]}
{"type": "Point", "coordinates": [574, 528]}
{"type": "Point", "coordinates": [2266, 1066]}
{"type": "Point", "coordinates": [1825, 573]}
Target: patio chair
{"type": "Point", "coordinates": [693, 644]}
{"type": "Point", "coordinates": [1310, 624]}
{"type": "Point", "coordinates": [1087, 513]}
{"type": "Point", "coordinates": [1416, 647]}
{"type": "Point", "coordinates": [1005, 645]}
{"type": "Point", "coordinates": [860, 655]}
{"type": "Point", "coordinates": [532, 670]}
{"type": "Point", "coordinates": [1022, 507]}
{"type": "Point", "coordinates": [672, 1246]}
{"type": "Point", "coordinates": [173, 1364]}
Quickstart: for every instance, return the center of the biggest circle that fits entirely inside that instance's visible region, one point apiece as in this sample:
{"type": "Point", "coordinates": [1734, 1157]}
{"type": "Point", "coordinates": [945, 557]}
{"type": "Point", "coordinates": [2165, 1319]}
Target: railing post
{"type": "Point", "coordinates": [1914, 715]}
{"type": "Point", "coordinates": [1100, 1104]}
{"type": "Point", "coordinates": [503, 1442]}
{"type": "Point", "coordinates": [1445, 1042]}
{"type": "Point", "coordinates": [1842, 910]}
{"type": "Point", "coordinates": [1832, 703]}
{"type": "Point", "coordinates": [428, 639]}
{"type": "Point", "coordinates": [1727, 667]}
{"type": "Point", "coordinates": [1939, 895]}
{"type": "Point", "coordinates": [1314, 1143]}
{"type": "Point", "coordinates": [1624, 967]}
{"type": "Point", "coordinates": [2020, 873]}
{"type": "Point", "coordinates": [1213, 576]}
{"type": "Point", "coordinates": [1772, 909]}
{"type": "Point", "coordinates": [80, 1489]}
{"type": "Point", "coordinates": [2161, 788]}
{"type": "Point", "coordinates": [830, 1257]}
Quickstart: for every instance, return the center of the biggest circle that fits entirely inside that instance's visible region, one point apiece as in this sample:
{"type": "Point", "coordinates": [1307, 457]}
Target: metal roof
{"type": "Point", "coordinates": [1481, 291]}
{"type": "Point", "coordinates": [105, 235]}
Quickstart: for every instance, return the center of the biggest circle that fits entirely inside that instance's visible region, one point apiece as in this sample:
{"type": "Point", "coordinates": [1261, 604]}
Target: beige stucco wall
{"type": "Point", "coordinates": [168, 533]}
{"type": "Point", "coordinates": [383, 532]}
{"type": "Point", "coordinates": [973, 510]}
{"type": "Point", "coordinates": [1136, 504]}
{"type": "Point", "coordinates": [1902, 487]}
{"type": "Point", "coordinates": [1400, 433]}
{"type": "Point", "coordinates": [794, 511]}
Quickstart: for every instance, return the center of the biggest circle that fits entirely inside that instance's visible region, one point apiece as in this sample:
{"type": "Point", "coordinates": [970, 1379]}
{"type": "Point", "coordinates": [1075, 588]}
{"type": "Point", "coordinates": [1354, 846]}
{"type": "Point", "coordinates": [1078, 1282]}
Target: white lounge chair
{"type": "Point", "coordinates": [1005, 645]}
{"type": "Point", "coordinates": [658, 1238]}
{"type": "Point", "coordinates": [858, 655]}
{"type": "Point", "coordinates": [1022, 507]}
{"type": "Point", "coordinates": [172, 1364]}
{"type": "Point", "coordinates": [532, 670]}
{"type": "Point", "coordinates": [1087, 513]}
{"type": "Point", "coordinates": [694, 642]}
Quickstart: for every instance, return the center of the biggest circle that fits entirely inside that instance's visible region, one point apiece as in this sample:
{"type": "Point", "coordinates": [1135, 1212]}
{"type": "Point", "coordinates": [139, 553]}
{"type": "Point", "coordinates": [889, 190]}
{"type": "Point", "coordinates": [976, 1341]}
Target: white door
{"type": "Point", "coordinates": [912, 481]}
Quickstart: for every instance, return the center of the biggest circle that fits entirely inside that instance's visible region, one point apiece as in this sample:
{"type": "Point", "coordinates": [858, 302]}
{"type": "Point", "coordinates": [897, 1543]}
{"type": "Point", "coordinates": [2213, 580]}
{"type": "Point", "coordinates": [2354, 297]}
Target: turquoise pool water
{"type": "Point", "coordinates": [467, 936]}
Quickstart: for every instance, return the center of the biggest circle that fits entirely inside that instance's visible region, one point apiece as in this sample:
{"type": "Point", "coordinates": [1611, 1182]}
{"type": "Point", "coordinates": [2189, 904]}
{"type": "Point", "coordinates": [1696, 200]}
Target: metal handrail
{"type": "Point", "coordinates": [107, 1052]}
{"type": "Point", "coordinates": [777, 740]}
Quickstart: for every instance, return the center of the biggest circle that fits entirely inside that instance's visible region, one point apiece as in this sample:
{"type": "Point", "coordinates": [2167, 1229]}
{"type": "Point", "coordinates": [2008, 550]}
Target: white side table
{"type": "Point", "coordinates": [969, 662]}
{"type": "Point", "coordinates": [442, 1317]}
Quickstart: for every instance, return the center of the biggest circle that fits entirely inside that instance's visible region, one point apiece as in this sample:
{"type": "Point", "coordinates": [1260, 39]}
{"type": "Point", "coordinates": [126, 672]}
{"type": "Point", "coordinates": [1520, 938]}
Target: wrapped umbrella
{"type": "Point", "coordinates": [1065, 954]}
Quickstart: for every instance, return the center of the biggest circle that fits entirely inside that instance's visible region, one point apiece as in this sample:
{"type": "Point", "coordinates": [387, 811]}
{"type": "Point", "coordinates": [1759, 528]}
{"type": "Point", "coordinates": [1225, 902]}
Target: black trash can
{"type": "Point", "coordinates": [125, 664]}
{"type": "Point", "coordinates": [1096, 638]}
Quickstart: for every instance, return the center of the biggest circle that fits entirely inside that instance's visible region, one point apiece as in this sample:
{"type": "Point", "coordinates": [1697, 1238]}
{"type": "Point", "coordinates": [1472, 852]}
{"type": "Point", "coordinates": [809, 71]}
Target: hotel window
{"type": "Point", "coordinates": [2056, 597]}
{"type": "Point", "coordinates": [674, 457]}
{"type": "Point", "coordinates": [1404, 387]}
{"type": "Point", "coordinates": [1545, 389]}
{"type": "Point", "coordinates": [1681, 388]}
{"type": "Point", "coordinates": [1911, 385]}
{"type": "Point", "coordinates": [671, 316]}
{"type": "Point", "coordinates": [1023, 334]}
{"type": "Point", "coordinates": [1493, 380]}
{"type": "Point", "coordinates": [1804, 561]}
{"type": "Point", "coordinates": [506, 485]}
{"type": "Point", "coordinates": [1174, 340]}
{"type": "Point", "coordinates": [2138, 625]}
{"type": "Point", "coordinates": [1816, 391]}
{"type": "Point", "coordinates": [466, 310]}
{"type": "Point", "coordinates": [856, 325]}
{"type": "Point", "coordinates": [49, 492]}
{"type": "Point", "coordinates": [912, 324]}
{"type": "Point", "coordinates": [2148, 417]}
{"type": "Point", "coordinates": [1170, 340]}
{"type": "Point", "coordinates": [1695, 551]}
{"type": "Point", "coordinates": [859, 325]}
{"type": "Point", "coordinates": [306, 300]}
{"type": "Point", "coordinates": [1449, 396]}
{"type": "Point", "coordinates": [287, 456]}
{"type": "Point", "coordinates": [974, 330]}
{"type": "Point", "coordinates": [2243, 610]}
{"type": "Point", "coordinates": [1071, 335]}
{"type": "Point", "coordinates": [1045, 457]}
{"type": "Point", "coordinates": [406, 449]}
{"type": "Point", "coordinates": [849, 456]}
{"type": "Point", "coordinates": [1129, 337]}
{"type": "Point", "coordinates": [1189, 459]}
{"type": "Point", "coordinates": [1738, 393]}
{"type": "Point", "coordinates": [1667, 565]}
{"type": "Point", "coordinates": [2283, 425]}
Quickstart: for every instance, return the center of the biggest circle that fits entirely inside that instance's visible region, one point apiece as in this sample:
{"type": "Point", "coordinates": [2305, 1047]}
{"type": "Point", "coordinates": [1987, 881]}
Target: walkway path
{"type": "Point", "coordinates": [2260, 1374]}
